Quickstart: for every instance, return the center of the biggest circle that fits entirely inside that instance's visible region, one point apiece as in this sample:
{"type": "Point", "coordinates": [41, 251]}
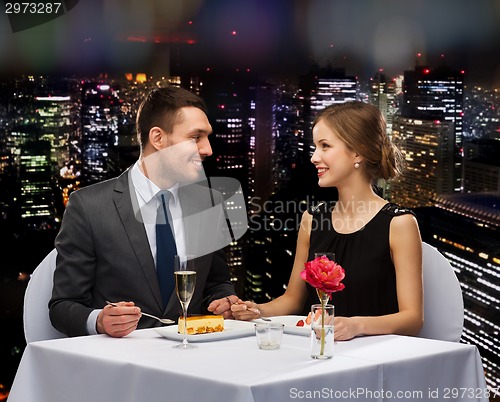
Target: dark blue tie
{"type": "Point", "coordinates": [165, 249]}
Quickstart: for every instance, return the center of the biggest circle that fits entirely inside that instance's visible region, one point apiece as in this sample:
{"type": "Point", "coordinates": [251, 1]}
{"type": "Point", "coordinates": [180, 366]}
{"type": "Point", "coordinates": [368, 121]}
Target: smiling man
{"type": "Point", "coordinates": [118, 238]}
{"type": "Point", "coordinates": [180, 136]}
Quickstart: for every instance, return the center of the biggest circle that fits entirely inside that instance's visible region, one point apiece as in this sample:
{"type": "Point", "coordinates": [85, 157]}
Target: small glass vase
{"type": "Point", "coordinates": [322, 329]}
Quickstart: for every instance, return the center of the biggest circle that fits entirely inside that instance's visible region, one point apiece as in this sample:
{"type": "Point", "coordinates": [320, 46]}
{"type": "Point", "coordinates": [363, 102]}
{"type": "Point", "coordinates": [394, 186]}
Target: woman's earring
{"type": "Point", "coordinates": [356, 165]}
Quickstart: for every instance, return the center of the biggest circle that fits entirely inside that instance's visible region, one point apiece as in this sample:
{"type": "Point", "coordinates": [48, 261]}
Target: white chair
{"type": "Point", "coordinates": [443, 301]}
{"type": "Point", "coordinates": [37, 326]}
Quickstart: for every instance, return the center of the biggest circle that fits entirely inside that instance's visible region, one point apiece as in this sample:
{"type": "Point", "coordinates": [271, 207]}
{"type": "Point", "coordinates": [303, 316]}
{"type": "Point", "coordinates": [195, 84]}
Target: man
{"type": "Point", "coordinates": [107, 245]}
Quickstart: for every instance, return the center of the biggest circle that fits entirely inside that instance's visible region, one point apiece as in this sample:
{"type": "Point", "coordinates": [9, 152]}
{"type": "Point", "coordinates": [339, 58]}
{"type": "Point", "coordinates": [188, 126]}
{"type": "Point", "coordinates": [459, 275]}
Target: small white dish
{"type": "Point", "coordinates": [232, 329]}
{"type": "Point", "coordinates": [290, 322]}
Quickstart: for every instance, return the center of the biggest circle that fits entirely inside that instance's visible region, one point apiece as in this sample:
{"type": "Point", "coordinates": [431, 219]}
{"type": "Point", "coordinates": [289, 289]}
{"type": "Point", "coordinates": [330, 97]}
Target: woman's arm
{"type": "Point", "coordinates": [291, 302]}
{"type": "Point", "coordinates": [406, 252]}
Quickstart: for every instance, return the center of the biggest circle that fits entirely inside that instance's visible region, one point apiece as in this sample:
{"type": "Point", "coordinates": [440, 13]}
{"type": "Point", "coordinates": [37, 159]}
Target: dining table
{"type": "Point", "coordinates": [144, 366]}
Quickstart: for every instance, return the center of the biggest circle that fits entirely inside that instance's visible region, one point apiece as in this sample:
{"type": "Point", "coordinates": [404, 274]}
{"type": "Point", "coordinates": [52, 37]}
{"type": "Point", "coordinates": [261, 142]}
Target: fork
{"type": "Point", "coordinates": [162, 320]}
{"type": "Point", "coordinates": [256, 310]}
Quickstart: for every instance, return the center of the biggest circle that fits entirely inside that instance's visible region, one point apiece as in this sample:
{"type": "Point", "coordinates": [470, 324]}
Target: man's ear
{"type": "Point", "coordinates": [155, 138]}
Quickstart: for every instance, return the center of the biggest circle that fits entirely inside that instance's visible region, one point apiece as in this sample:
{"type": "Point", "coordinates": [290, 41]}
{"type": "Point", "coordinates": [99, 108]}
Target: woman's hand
{"type": "Point", "coordinates": [245, 311]}
{"type": "Point", "coordinates": [346, 328]}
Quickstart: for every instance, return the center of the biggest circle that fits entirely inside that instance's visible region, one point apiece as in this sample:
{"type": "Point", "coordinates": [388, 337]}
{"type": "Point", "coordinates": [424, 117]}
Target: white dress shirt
{"type": "Point", "coordinates": [148, 202]}
{"type": "Point", "coordinates": [146, 193]}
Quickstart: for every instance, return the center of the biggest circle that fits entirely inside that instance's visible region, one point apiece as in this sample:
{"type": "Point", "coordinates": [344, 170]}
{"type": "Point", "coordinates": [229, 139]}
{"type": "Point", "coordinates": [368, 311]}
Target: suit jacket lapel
{"type": "Point", "coordinates": [126, 204]}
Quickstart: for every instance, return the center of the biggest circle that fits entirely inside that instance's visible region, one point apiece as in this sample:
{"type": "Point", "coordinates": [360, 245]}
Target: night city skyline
{"type": "Point", "coordinates": [85, 73]}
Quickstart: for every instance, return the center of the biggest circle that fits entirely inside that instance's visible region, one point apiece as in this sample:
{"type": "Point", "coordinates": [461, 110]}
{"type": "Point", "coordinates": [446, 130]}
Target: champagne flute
{"type": "Point", "coordinates": [185, 280]}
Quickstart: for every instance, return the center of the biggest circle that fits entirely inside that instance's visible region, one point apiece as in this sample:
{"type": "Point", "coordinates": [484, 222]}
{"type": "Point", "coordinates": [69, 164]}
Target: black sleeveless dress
{"type": "Point", "coordinates": [370, 278]}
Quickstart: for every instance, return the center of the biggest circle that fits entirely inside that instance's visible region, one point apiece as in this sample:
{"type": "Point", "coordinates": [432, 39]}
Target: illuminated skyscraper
{"type": "Point", "coordinates": [273, 223]}
{"type": "Point", "coordinates": [383, 94]}
{"type": "Point", "coordinates": [262, 142]}
{"type": "Point", "coordinates": [35, 177]}
{"type": "Point", "coordinates": [427, 147]}
{"type": "Point", "coordinates": [99, 114]}
{"type": "Point", "coordinates": [228, 100]}
{"type": "Point", "coordinates": [332, 89]}
{"type": "Point", "coordinates": [320, 88]}
{"type": "Point", "coordinates": [466, 229]}
{"type": "Point", "coordinates": [286, 133]}
{"type": "Point", "coordinates": [58, 121]}
{"type": "Point", "coordinates": [437, 94]}
{"type": "Point", "coordinates": [29, 146]}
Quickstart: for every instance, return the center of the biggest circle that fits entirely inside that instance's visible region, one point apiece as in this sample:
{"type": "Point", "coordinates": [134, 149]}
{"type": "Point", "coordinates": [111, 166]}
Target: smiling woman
{"type": "Point", "coordinates": [377, 243]}
{"type": "Point", "coordinates": [356, 131]}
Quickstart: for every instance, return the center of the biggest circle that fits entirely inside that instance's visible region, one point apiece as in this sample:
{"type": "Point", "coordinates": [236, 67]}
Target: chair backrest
{"type": "Point", "coordinates": [37, 326]}
{"type": "Point", "coordinates": [443, 300]}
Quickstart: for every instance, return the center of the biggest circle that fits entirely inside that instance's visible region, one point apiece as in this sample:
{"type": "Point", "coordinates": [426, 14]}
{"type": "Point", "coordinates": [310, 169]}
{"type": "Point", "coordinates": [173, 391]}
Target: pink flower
{"type": "Point", "coordinates": [324, 275]}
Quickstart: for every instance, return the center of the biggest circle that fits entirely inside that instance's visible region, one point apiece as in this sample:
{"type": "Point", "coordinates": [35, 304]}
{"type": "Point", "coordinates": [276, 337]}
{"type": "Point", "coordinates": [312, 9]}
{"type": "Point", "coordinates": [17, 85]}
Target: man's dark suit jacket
{"type": "Point", "coordinates": [104, 254]}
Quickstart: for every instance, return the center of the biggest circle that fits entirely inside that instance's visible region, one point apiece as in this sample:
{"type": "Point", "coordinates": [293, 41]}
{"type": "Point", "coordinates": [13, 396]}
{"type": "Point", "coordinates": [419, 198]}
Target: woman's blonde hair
{"type": "Point", "coordinates": [362, 128]}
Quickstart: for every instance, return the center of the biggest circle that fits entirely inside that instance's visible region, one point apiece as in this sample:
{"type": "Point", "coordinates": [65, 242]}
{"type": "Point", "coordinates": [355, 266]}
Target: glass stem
{"type": "Point", "coordinates": [184, 313]}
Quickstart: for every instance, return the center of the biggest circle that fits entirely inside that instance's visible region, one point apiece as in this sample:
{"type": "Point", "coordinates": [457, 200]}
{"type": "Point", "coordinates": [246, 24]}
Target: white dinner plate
{"type": "Point", "coordinates": [291, 327]}
{"type": "Point", "coordinates": [232, 329]}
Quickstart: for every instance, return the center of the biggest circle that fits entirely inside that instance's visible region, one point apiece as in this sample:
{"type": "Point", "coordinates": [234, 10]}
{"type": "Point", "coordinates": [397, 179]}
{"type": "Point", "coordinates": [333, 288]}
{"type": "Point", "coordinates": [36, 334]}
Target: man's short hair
{"type": "Point", "coordinates": [160, 108]}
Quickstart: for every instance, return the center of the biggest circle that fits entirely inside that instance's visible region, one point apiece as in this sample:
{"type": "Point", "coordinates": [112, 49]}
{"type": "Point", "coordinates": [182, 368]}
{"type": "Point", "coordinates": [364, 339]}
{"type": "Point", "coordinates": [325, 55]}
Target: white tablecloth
{"type": "Point", "coordinates": [144, 367]}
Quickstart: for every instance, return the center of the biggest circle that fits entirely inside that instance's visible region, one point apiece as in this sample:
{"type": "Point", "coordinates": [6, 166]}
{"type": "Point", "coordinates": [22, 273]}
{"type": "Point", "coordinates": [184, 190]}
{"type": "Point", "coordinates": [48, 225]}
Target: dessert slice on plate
{"type": "Point", "coordinates": [201, 324]}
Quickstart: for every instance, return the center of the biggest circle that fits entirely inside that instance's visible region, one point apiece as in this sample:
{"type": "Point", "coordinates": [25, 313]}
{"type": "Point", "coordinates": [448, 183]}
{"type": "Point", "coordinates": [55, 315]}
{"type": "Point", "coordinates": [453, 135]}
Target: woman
{"type": "Point", "coordinates": [376, 242]}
